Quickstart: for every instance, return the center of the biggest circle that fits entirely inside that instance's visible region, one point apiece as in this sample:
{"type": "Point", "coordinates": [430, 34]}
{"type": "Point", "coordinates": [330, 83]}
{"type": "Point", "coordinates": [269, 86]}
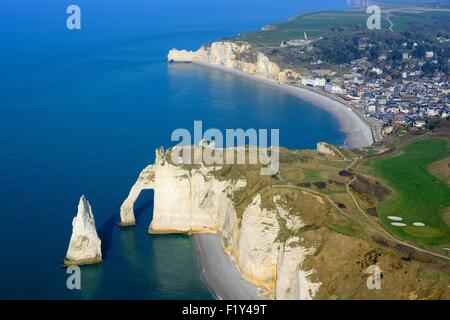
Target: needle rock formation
{"type": "Point", "coordinates": [85, 245]}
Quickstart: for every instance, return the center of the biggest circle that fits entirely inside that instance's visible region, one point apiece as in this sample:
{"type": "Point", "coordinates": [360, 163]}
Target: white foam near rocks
{"type": "Point", "coordinates": [395, 218]}
{"type": "Point", "coordinates": [419, 224]}
{"type": "Point", "coordinates": [398, 224]}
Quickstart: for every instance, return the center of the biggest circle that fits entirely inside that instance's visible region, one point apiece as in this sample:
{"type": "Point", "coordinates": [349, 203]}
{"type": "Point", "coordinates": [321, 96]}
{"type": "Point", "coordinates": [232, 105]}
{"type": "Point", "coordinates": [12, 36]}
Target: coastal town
{"type": "Point", "coordinates": [415, 100]}
{"type": "Point", "coordinates": [394, 76]}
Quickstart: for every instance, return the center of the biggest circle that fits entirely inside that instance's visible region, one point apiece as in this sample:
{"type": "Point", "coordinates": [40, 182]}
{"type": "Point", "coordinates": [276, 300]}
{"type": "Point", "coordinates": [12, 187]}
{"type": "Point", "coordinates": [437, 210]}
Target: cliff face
{"type": "Point", "coordinates": [195, 200]}
{"type": "Point", "coordinates": [235, 55]}
{"type": "Point", "coordinates": [293, 237]}
{"type": "Point", "coordinates": [85, 245]}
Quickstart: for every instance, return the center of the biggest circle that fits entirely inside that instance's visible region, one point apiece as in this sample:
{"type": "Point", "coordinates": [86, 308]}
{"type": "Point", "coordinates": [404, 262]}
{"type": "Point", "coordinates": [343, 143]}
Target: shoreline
{"type": "Point", "coordinates": [219, 272]}
{"type": "Point", "coordinates": [358, 132]}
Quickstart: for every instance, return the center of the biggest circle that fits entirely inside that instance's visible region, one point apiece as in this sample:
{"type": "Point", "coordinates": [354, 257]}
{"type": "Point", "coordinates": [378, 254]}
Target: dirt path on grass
{"type": "Point", "coordinates": [366, 218]}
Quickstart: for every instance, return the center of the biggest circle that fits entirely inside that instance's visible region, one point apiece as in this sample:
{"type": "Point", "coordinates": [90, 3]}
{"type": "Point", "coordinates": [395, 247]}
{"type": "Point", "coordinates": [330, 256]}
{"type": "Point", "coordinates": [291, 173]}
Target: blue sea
{"type": "Point", "coordinates": [81, 112]}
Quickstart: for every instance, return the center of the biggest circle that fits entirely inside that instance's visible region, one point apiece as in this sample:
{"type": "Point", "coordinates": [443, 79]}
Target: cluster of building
{"type": "Point", "coordinates": [410, 100]}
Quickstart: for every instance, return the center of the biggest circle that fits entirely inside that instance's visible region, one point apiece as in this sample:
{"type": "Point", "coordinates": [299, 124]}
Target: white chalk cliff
{"type": "Point", "coordinates": [238, 56]}
{"type": "Point", "coordinates": [195, 200]}
{"type": "Point", "coordinates": [85, 245]}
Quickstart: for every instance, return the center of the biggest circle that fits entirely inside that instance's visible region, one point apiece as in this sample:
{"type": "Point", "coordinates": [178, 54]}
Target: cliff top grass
{"type": "Point", "coordinates": [393, 184]}
{"type": "Point", "coordinates": [331, 23]}
{"type": "Point", "coordinates": [311, 187]}
{"type": "Point", "coordinates": [344, 259]}
{"type": "Point", "coordinates": [419, 196]}
{"type": "Point", "coordinates": [337, 38]}
{"type": "Point", "coordinates": [315, 25]}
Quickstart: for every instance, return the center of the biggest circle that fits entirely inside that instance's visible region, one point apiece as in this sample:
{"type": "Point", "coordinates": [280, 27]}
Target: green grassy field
{"type": "Point", "coordinates": [419, 196]}
{"type": "Point", "coordinates": [315, 25]}
{"type": "Point", "coordinates": [330, 23]}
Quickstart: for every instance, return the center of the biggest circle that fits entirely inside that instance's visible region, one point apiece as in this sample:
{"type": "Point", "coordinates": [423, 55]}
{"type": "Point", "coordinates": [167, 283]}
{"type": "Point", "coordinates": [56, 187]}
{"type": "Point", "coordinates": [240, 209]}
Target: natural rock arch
{"type": "Point", "coordinates": [144, 182]}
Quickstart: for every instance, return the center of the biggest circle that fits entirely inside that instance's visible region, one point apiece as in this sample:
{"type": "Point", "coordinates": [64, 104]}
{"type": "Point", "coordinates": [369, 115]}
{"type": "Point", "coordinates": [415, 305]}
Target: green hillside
{"type": "Point", "coordinates": [419, 196]}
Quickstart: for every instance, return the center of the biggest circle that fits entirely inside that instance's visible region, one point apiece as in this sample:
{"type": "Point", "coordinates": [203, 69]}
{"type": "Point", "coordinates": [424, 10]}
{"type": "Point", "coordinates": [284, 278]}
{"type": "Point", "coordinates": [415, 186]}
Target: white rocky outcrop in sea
{"type": "Point", "coordinates": [237, 56]}
{"type": "Point", "coordinates": [191, 199]}
{"type": "Point", "coordinates": [85, 245]}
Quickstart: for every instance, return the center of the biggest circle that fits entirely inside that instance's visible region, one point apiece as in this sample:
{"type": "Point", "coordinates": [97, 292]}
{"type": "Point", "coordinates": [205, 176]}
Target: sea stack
{"type": "Point", "coordinates": [85, 245]}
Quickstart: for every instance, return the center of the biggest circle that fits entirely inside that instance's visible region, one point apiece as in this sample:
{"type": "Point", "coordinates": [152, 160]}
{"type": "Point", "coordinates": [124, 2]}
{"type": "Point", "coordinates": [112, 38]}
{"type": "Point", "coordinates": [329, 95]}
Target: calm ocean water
{"type": "Point", "coordinates": [82, 112]}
